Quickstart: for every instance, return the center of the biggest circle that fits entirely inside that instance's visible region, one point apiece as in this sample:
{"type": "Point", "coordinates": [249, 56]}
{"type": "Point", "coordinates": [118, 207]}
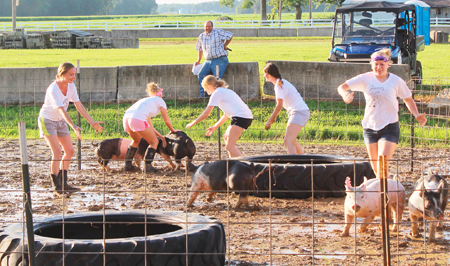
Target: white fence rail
{"type": "Point", "coordinates": [109, 25]}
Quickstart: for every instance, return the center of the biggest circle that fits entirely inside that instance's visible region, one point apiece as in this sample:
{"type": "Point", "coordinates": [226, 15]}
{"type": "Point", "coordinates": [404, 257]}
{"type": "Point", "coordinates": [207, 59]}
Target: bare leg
{"type": "Point", "coordinates": [53, 143]}
{"type": "Point", "coordinates": [69, 151]}
{"type": "Point", "coordinates": [290, 139]}
{"type": "Point", "coordinates": [231, 137]}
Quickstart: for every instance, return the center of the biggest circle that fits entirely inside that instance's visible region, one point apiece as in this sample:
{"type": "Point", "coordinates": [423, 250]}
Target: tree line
{"type": "Point", "coordinates": [267, 8]}
{"type": "Point", "coordinates": [297, 6]}
{"type": "Point", "coordinates": [37, 8]}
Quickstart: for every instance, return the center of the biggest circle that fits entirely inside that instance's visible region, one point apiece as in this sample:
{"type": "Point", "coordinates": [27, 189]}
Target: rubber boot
{"type": "Point", "coordinates": [63, 177]}
{"type": "Point", "coordinates": [129, 160]}
{"type": "Point", "coordinates": [149, 156]}
{"type": "Point", "coordinates": [56, 184]}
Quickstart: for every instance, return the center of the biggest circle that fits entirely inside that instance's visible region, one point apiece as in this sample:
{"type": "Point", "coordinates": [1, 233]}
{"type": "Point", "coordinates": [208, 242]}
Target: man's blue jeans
{"type": "Point", "coordinates": [209, 67]}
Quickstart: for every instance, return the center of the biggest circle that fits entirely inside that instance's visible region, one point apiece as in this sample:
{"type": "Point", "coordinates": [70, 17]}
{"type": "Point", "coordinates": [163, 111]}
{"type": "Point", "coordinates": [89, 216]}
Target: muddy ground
{"type": "Point", "coordinates": [271, 232]}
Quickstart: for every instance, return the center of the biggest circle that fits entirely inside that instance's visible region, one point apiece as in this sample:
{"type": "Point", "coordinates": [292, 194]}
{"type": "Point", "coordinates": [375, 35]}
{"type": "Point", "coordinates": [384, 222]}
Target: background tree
{"type": "Point", "coordinates": [296, 5]}
{"type": "Point", "coordinates": [247, 4]}
{"type": "Point", "coordinates": [328, 3]}
{"type": "Point", "coordinates": [58, 7]}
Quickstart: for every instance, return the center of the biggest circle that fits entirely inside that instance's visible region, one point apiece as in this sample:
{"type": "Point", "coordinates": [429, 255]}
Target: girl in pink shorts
{"type": "Point", "coordinates": [138, 123]}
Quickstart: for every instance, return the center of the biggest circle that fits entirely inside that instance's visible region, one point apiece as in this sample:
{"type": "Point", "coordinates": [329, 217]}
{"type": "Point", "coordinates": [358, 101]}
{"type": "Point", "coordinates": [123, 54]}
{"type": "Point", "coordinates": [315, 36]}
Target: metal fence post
{"type": "Point", "coordinates": [79, 115]}
{"type": "Point", "coordinates": [27, 193]}
{"type": "Point", "coordinates": [383, 175]}
{"type": "Point", "coordinates": [218, 117]}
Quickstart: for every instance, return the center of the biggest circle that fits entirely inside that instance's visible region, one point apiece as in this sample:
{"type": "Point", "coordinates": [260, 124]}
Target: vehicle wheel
{"type": "Point", "coordinates": [291, 175]}
{"type": "Point", "coordinates": [121, 239]}
{"type": "Point", "coordinates": [418, 77]}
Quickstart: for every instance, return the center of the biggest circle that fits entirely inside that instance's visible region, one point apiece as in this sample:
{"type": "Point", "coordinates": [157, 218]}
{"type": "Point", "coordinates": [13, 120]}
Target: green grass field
{"type": "Point", "coordinates": [167, 17]}
{"type": "Point", "coordinates": [435, 58]}
{"type": "Point", "coordinates": [330, 123]}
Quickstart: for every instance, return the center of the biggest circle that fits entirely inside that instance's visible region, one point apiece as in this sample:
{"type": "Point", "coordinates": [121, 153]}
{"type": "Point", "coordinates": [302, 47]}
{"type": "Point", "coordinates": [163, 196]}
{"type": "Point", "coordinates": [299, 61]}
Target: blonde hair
{"type": "Point", "coordinates": [63, 68]}
{"type": "Point", "coordinates": [386, 52]}
{"type": "Point", "coordinates": [152, 88]}
{"type": "Point", "coordinates": [212, 81]}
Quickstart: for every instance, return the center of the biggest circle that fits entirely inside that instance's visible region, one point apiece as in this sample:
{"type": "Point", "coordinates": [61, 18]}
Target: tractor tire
{"type": "Point", "coordinates": [290, 175]}
{"type": "Point", "coordinates": [419, 75]}
{"type": "Point", "coordinates": [121, 239]}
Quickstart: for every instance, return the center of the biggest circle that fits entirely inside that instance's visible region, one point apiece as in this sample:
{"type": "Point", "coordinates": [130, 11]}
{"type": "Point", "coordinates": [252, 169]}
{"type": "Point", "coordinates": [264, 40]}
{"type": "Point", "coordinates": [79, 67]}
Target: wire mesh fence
{"type": "Point", "coordinates": [296, 211]}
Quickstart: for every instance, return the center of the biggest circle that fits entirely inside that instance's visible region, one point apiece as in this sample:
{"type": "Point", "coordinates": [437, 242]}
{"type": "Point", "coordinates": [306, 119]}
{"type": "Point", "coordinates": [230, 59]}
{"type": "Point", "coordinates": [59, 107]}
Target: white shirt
{"type": "Point", "coordinates": [230, 103]}
{"type": "Point", "coordinates": [54, 99]}
{"type": "Point", "coordinates": [381, 98]}
{"type": "Point", "coordinates": [145, 108]}
{"type": "Point", "coordinates": [292, 100]}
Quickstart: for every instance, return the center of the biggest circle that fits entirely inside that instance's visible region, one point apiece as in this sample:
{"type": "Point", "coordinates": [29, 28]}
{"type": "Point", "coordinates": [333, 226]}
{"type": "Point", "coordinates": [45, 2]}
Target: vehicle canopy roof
{"type": "Point", "coordinates": [377, 6]}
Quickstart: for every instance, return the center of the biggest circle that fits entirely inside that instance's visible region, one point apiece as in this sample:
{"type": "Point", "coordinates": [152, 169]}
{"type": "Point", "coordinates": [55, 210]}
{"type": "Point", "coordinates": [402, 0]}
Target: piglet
{"type": "Point", "coordinates": [428, 200]}
{"type": "Point", "coordinates": [179, 145]}
{"type": "Point", "coordinates": [365, 201]}
{"type": "Point", "coordinates": [112, 149]}
{"type": "Point", "coordinates": [213, 177]}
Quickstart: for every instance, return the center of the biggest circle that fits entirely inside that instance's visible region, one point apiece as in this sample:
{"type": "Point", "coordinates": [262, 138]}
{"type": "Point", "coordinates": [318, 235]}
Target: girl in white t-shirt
{"type": "Point", "coordinates": [288, 97]}
{"type": "Point", "coordinates": [53, 120]}
{"type": "Point", "coordinates": [232, 106]}
{"type": "Point", "coordinates": [381, 89]}
{"type": "Point", "coordinates": [137, 121]}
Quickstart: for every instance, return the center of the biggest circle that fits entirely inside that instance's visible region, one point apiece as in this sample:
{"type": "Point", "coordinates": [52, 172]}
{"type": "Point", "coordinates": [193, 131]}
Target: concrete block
{"type": "Point", "coordinates": [277, 32]}
{"type": "Point", "coordinates": [320, 79]}
{"type": "Point", "coordinates": [120, 43]}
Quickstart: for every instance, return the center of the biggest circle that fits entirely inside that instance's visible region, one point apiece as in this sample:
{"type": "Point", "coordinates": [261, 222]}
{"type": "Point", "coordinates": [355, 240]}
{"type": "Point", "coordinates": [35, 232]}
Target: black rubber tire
{"type": "Point", "coordinates": [124, 244]}
{"type": "Point", "coordinates": [419, 73]}
{"type": "Point", "coordinates": [291, 175]}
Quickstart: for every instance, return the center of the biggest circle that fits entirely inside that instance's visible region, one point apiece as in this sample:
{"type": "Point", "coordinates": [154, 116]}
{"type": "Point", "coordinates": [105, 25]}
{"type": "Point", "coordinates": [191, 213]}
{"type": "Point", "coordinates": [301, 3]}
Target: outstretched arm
{"type": "Point", "coordinates": [95, 124]}
{"type": "Point", "coordinates": [212, 128]}
{"type": "Point", "coordinates": [411, 104]}
{"type": "Point", "coordinates": [274, 114]}
{"type": "Point", "coordinates": [167, 120]}
{"type": "Point", "coordinates": [202, 117]}
{"type": "Point", "coordinates": [345, 92]}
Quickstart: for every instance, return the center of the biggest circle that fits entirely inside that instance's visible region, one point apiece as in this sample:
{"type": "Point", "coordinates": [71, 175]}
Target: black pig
{"type": "Point", "coordinates": [213, 177]}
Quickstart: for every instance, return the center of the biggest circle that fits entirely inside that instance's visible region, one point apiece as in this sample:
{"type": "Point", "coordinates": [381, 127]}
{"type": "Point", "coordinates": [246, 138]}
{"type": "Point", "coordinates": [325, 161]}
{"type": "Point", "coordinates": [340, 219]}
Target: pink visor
{"type": "Point", "coordinates": [159, 93]}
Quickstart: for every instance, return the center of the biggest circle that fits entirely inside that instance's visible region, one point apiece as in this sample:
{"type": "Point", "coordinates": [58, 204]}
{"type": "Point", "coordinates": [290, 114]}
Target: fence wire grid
{"type": "Point", "coordinates": [294, 216]}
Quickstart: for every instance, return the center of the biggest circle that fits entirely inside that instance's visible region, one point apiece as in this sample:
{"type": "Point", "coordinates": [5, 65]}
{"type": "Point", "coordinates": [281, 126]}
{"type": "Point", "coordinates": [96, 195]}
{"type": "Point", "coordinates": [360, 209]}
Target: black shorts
{"type": "Point", "coordinates": [390, 133]}
{"type": "Point", "coordinates": [241, 122]}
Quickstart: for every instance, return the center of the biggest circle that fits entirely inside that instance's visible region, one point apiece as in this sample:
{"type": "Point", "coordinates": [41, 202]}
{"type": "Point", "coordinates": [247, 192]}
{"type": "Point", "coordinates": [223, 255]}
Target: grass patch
{"type": "Point", "coordinates": [332, 123]}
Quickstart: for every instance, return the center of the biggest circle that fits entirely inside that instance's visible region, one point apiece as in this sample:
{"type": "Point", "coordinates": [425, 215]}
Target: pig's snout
{"type": "Point", "coordinates": [356, 207]}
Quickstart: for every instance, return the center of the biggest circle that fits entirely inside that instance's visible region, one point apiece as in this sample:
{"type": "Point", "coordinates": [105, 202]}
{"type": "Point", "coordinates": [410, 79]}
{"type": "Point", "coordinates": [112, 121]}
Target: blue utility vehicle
{"type": "Point", "coordinates": [359, 30]}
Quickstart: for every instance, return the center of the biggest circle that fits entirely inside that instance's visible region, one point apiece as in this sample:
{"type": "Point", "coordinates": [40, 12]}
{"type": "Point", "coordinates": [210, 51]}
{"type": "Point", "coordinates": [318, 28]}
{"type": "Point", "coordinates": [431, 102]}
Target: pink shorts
{"type": "Point", "coordinates": [133, 125]}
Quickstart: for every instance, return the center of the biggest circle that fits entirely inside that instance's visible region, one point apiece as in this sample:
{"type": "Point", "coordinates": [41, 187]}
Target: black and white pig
{"type": "Point", "coordinates": [116, 149]}
{"type": "Point", "coordinates": [179, 145]}
{"type": "Point", "coordinates": [428, 200]}
{"type": "Point", "coordinates": [213, 177]}
{"type": "Point", "coordinates": [364, 201]}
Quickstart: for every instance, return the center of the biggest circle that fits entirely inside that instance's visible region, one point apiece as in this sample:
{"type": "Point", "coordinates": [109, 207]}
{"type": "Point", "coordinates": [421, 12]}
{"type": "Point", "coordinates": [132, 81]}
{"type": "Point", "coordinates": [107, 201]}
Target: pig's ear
{"type": "Point", "coordinates": [365, 179]}
{"type": "Point", "coordinates": [348, 184]}
{"type": "Point", "coordinates": [422, 189]}
{"type": "Point", "coordinates": [441, 186]}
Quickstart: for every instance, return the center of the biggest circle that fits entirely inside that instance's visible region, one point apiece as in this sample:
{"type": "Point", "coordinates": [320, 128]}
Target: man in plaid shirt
{"type": "Point", "coordinates": [213, 44]}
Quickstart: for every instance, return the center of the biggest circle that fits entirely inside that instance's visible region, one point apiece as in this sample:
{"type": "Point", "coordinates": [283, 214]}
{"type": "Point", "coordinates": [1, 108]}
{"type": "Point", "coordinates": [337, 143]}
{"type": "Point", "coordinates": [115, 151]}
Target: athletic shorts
{"type": "Point", "coordinates": [241, 122]}
{"type": "Point", "coordinates": [389, 133]}
{"type": "Point", "coordinates": [50, 128]}
{"type": "Point", "coordinates": [300, 117]}
{"type": "Point", "coordinates": [134, 125]}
